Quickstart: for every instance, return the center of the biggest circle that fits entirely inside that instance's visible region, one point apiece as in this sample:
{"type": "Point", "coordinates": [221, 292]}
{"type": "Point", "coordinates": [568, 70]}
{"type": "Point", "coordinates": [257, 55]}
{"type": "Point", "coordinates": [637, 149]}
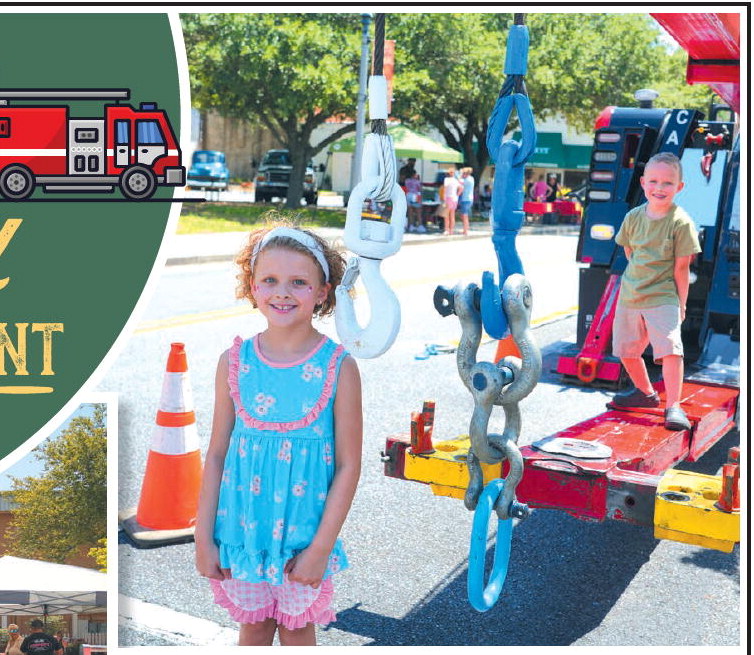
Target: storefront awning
{"type": "Point", "coordinates": [551, 152]}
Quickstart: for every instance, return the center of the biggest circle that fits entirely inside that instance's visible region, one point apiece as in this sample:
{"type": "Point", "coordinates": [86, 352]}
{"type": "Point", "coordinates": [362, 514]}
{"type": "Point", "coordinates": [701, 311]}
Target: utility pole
{"type": "Point", "coordinates": [366, 20]}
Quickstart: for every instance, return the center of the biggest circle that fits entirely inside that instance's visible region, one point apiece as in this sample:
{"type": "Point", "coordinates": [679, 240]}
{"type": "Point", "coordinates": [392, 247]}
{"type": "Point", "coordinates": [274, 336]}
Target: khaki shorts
{"type": "Point", "coordinates": [633, 329]}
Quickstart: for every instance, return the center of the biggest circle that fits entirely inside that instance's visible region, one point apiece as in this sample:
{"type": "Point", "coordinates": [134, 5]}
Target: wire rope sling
{"type": "Point", "coordinates": [369, 240]}
{"type": "Point", "coordinates": [504, 309]}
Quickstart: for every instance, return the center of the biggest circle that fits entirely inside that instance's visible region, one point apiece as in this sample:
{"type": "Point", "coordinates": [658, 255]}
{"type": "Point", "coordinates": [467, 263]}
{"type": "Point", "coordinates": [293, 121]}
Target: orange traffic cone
{"type": "Point", "coordinates": [506, 347]}
{"type": "Point", "coordinates": [170, 490]}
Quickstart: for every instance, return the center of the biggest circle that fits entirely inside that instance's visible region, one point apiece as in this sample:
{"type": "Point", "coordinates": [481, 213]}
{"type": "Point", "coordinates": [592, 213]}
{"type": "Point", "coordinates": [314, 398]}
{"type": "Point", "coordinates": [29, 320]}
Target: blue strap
{"type": "Point", "coordinates": [510, 157]}
{"type": "Point", "coordinates": [483, 597]}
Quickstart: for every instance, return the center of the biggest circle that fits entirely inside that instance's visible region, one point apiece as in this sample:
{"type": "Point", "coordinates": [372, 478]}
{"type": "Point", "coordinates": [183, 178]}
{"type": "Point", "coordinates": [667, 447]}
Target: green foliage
{"type": "Point", "coordinates": [65, 507]}
{"type": "Point", "coordinates": [449, 70]}
{"type": "Point", "coordinates": [287, 72]}
{"type": "Point", "coordinates": [99, 554]}
{"type": "Point", "coordinates": [671, 70]}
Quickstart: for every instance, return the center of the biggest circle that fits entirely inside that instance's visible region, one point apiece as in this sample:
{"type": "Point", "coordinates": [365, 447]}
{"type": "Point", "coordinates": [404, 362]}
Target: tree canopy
{"type": "Point", "coordinates": [292, 72]}
{"type": "Point", "coordinates": [449, 70]}
{"type": "Point", "coordinates": [287, 72]}
{"type": "Point", "coordinates": [65, 507]}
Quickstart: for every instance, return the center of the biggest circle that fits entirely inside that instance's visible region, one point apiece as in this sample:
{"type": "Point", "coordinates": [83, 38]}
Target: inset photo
{"type": "Point", "coordinates": [53, 541]}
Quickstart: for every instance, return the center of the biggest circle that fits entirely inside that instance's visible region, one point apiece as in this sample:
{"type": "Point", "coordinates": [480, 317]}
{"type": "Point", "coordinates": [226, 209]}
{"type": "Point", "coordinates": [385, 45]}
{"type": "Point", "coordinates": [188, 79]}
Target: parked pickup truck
{"type": "Point", "coordinates": [273, 176]}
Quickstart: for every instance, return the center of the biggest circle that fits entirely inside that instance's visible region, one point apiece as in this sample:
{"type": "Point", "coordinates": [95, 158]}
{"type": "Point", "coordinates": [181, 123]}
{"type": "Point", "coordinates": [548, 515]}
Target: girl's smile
{"type": "Point", "coordinates": [286, 284]}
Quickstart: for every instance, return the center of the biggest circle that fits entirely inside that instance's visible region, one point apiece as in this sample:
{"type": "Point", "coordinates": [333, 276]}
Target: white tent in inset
{"type": "Point", "coordinates": [73, 589]}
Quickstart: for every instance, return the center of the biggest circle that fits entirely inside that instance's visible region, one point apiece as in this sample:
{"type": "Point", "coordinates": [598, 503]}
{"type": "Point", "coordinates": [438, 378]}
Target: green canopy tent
{"type": "Point", "coordinates": [408, 143]}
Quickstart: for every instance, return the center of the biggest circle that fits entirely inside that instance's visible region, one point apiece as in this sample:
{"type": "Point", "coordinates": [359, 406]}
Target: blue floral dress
{"type": "Point", "coordinates": [280, 460]}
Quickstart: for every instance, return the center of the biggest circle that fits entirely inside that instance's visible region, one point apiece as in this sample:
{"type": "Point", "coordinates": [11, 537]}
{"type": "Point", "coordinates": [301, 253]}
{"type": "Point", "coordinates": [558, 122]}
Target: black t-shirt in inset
{"type": "Point", "coordinates": [38, 643]}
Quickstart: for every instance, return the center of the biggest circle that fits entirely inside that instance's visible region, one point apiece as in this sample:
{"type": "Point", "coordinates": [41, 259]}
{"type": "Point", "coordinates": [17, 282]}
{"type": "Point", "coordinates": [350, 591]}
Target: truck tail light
{"type": "Point", "coordinates": [309, 179]}
{"type": "Point", "coordinates": [604, 156]}
{"type": "Point", "coordinates": [599, 195]}
{"type": "Point", "coordinates": [602, 176]}
{"type": "Point", "coordinates": [608, 137]}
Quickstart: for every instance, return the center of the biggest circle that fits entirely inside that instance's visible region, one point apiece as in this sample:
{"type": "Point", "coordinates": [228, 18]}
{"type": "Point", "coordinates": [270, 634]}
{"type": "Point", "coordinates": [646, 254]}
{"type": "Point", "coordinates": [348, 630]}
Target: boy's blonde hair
{"type": "Point", "coordinates": [335, 261]}
{"type": "Point", "coordinates": [666, 158]}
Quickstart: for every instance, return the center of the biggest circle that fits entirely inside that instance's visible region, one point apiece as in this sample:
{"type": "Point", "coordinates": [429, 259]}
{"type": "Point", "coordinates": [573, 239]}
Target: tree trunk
{"type": "Point", "coordinates": [300, 154]}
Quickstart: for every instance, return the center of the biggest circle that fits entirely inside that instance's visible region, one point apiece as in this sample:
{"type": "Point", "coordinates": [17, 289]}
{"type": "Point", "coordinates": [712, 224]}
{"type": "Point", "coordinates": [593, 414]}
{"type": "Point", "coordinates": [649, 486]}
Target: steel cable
{"type": "Point", "coordinates": [386, 151]}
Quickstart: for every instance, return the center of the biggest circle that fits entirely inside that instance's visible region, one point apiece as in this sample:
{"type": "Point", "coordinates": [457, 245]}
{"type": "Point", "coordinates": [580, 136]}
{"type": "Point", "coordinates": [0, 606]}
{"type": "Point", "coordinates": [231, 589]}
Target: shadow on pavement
{"type": "Point", "coordinates": [564, 577]}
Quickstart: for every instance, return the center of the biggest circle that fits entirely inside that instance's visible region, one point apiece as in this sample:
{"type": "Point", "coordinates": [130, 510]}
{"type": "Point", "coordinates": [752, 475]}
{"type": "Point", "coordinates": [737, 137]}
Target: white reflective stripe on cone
{"type": "Point", "coordinates": [175, 441]}
{"type": "Point", "coordinates": [176, 393]}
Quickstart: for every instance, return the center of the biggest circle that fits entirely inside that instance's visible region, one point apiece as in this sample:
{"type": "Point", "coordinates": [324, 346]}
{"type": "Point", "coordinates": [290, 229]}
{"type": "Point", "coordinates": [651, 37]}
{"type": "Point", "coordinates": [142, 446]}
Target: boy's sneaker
{"type": "Point", "coordinates": [676, 420]}
{"type": "Point", "coordinates": [636, 398]}
{"type": "Point", "coordinates": [421, 229]}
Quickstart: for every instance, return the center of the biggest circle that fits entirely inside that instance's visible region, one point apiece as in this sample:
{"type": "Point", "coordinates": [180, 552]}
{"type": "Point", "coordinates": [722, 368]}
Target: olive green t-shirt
{"type": "Point", "coordinates": [648, 279]}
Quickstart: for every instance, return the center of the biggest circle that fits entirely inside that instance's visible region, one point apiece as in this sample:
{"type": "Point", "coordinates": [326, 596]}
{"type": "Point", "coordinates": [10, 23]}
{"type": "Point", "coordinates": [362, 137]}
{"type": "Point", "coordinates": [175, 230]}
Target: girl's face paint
{"type": "Point", "coordinates": [287, 286]}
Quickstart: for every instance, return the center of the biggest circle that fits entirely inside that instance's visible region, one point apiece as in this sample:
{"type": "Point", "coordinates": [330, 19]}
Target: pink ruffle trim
{"type": "Point", "coordinates": [319, 612]}
{"type": "Point", "coordinates": [251, 422]}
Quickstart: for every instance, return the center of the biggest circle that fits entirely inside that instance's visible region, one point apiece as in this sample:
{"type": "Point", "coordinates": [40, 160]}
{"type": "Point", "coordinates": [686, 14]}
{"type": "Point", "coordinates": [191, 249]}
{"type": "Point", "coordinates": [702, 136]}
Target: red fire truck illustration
{"type": "Point", "coordinates": [135, 150]}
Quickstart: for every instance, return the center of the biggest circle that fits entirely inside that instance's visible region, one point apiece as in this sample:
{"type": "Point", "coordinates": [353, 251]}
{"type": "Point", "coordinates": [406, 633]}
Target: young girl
{"type": "Point", "coordinates": [285, 453]}
{"type": "Point", "coordinates": [453, 188]}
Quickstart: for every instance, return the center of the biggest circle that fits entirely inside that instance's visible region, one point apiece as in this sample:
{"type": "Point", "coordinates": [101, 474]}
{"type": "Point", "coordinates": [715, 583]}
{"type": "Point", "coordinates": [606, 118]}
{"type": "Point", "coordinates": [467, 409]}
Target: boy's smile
{"type": "Point", "coordinates": [660, 182]}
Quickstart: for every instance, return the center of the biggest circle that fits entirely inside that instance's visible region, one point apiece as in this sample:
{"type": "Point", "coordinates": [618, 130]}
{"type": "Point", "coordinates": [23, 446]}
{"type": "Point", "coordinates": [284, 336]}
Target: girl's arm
{"type": "Point", "coordinates": [681, 278]}
{"type": "Point", "coordinates": [207, 558]}
{"type": "Point", "coordinates": [308, 567]}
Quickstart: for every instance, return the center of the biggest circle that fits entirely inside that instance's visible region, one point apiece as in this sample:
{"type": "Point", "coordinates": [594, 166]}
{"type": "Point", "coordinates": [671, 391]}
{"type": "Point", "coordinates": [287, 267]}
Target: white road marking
{"type": "Point", "coordinates": [182, 629]}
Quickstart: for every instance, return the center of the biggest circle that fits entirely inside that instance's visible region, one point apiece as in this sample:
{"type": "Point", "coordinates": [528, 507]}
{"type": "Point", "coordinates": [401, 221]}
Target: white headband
{"type": "Point", "coordinates": [303, 238]}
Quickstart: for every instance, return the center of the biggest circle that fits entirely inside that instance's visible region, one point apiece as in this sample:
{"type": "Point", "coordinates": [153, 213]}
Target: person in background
{"type": "Point", "coordinates": [414, 203]}
{"type": "Point", "coordinates": [485, 200]}
{"type": "Point", "coordinates": [452, 189]}
{"type": "Point", "coordinates": [406, 171]}
{"type": "Point", "coordinates": [13, 647]}
{"type": "Point", "coordinates": [467, 197]}
{"type": "Point", "coordinates": [539, 190]}
{"type": "Point", "coordinates": [553, 188]}
{"type": "Point", "coordinates": [528, 184]}
{"type": "Point", "coordinates": [62, 639]}
{"type": "Point", "coordinates": [39, 642]}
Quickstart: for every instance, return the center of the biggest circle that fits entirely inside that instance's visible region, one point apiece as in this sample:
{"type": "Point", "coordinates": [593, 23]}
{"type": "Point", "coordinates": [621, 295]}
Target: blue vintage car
{"type": "Point", "coordinates": [208, 170]}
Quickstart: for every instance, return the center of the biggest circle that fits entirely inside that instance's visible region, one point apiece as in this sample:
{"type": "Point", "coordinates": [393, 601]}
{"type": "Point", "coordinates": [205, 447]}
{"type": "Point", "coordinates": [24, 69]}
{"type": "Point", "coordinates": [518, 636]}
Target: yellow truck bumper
{"type": "Point", "coordinates": [685, 511]}
{"type": "Point", "coordinates": [445, 470]}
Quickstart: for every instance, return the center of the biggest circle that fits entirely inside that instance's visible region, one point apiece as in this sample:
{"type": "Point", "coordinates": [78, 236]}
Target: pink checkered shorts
{"type": "Point", "coordinates": [291, 604]}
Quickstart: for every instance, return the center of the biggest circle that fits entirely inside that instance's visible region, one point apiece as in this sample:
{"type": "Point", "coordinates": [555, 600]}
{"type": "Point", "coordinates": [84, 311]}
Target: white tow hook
{"type": "Point", "coordinates": [385, 311]}
{"type": "Point", "coordinates": [371, 241]}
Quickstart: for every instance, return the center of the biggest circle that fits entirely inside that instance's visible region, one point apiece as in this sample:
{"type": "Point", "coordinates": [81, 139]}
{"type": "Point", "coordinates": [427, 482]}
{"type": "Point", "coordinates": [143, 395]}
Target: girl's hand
{"type": "Point", "coordinates": [208, 562]}
{"type": "Point", "coordinates": [307, 568]}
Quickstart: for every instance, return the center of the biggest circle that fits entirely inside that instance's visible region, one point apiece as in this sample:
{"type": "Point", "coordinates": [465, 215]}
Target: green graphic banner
{"type": "Point", "coordinates": [89, 159]}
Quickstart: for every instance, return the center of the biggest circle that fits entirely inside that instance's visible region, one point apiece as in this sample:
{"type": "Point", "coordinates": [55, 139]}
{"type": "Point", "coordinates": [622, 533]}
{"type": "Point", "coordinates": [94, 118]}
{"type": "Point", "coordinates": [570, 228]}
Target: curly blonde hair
{"type": "Point", "coordinates": [335, 260]}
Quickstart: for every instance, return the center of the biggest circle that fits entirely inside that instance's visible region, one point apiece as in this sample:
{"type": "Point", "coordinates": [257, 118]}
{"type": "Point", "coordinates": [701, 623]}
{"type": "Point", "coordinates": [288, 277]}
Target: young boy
{"type": "Point", "coordinates": [660, 241]}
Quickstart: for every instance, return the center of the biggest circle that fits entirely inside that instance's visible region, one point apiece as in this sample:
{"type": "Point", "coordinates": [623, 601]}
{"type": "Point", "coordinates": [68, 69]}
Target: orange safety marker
{"type": "Point", "coordinates": [170, 490]}
{"type": "Point", "coordinates": [507, 347]}
{"type": "Point", "coordinates": [422, 424]}
{"type": "Point", "coordinates": [729, 500]}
